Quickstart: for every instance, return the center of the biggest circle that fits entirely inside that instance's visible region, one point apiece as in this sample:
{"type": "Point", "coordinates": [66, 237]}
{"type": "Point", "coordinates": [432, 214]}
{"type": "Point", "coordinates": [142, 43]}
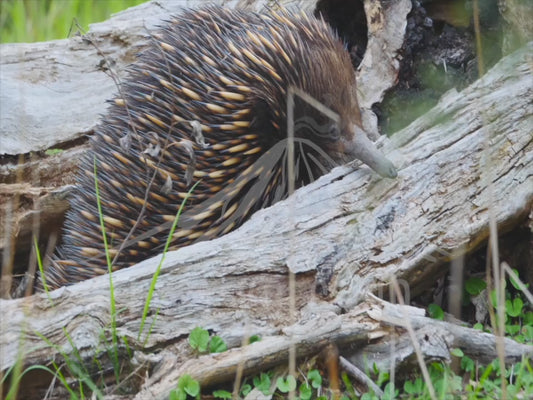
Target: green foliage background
{"type": "Point", "coordinates": [42, 20]}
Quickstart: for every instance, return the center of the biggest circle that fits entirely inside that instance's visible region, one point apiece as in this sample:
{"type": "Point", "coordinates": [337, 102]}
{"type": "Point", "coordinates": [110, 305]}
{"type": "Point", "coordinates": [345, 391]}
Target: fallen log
{"type": "Point", "coordinates": [342, 236]}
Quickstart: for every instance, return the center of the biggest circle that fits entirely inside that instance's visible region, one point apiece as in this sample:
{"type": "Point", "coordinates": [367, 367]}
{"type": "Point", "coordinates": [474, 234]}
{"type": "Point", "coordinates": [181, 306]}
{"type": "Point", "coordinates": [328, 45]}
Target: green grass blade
{"type": "Point", "coordinates": [156, 273]}
{"type": "Point", "coordinates": [112, 302]}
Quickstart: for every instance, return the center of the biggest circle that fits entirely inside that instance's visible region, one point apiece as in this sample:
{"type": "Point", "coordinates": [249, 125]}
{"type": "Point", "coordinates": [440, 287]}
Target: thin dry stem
{"type": "Point", "coordinates": [414, 341]}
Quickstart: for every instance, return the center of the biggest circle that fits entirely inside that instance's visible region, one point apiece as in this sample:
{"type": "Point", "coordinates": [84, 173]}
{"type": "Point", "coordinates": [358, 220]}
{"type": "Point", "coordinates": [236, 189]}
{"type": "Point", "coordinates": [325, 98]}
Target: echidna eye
{"type": "Point", "coordinates": [333, 132]}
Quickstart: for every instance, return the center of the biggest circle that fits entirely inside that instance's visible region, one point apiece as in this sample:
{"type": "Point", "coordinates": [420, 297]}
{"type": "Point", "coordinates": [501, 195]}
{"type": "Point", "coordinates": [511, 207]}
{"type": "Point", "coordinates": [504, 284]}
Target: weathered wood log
{"type": "Point", "coordinates": [320, 326]}
{"type": "Point", "coordinates": [342, 236]}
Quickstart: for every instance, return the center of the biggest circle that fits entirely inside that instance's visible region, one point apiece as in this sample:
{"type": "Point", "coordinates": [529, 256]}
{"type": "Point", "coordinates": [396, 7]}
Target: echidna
{"type": "Point", "coordinates": [205, 105]}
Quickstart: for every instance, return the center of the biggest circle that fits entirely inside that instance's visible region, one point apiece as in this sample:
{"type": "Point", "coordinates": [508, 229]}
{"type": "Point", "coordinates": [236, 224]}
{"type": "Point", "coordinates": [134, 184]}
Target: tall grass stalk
{"type": "Point", "coordinates": [79, 371]}
{"type": "Point", "coordinates": [12, 394]}
{"type": "Point", "coordinates": [112, 303]}
{"type": "Point", "coordinates": [41, 268]}
{"type": "Point", "coordinates": [158, 270]}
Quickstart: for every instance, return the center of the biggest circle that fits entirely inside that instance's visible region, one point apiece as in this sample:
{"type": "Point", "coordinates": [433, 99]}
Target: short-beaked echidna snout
{"type": "Point", "coordinates": [206, 104]}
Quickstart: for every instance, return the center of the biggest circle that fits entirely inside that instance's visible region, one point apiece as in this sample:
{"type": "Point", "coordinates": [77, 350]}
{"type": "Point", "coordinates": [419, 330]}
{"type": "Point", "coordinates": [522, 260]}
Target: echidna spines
{"type": "Point", "coordinates": [228, 73]}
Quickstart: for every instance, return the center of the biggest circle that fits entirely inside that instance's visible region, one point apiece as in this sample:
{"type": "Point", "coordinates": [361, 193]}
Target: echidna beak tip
{"type": "Point", "coordinates": [366, 151]}
{"type": "Point", "coordinates": [382, 165]}
{"type": "Point", "coordinates": [391, 172]}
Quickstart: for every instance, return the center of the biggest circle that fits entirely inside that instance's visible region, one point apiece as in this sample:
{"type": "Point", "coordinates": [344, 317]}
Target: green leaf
{"type": "Point", "coordinates": [217, 345]}
{"type": "Point", "coordinates": [306, 391]}
{"type": "Point", "coordinates": [415, 387]}
{"type": "Point", "coordinates": [189, 385]}
{"type": "Point", "coordinates": [222, 394]}
{"type": "Point", "coordinates": [527, 331]}
{"type": "Point", "coordinates": [519, 339]}
{"type": "Point", "coordinates": [198, 339]}
{"type": "Point", "coordinates": [478, 326]}
{"type": "Point", "coordinates": [262, 383]}
{"type": "Point", "coordinates": [475, 286]}
{"type": "Point", "coordinates": [390, 393]}
{"type": "Point", "coordinates": [246, 389]}
{"type": "Point", "coordinates": [254, 338]}
{"type": "Point", "coordinates": [494, 297]}
{"type": "Point", "coordinates": [467, 364]}
{"type": "Point", "coordinates": [315, 378]}
{"type": "Point", "coordinates": [375, 368]}
{"type": "Point", "coordinates": [512, 329]}
{"type": "Point", "coordinates": [435, 311]}
{"type": "Point", "coordinates": [383, 376]}
{"type": "Point", "coordinates": [514, 308]}
{"type": "Point", "coordinates": [53, 152]}
{"type": "Point", "coordinates": [177, 394]}
{"type": "Point", "coordinates": [513, 282]}
{"type": "Point", "coordinates": [409, 387]}
{"type": "Point", "coordinates": [455, 384]}
{"type": "Point", "coordinates": [193, 388]}
{"type": "Point", "coordinates": [513, 391]}
{"type": "Point", "coordinates": [286, 385]}
{"type": "Point", "coordinates": [436, 367]}
{"type": "Point", "coordinates": [349, 386]}
{"type": "Point", "coordinates": [457, 352]}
